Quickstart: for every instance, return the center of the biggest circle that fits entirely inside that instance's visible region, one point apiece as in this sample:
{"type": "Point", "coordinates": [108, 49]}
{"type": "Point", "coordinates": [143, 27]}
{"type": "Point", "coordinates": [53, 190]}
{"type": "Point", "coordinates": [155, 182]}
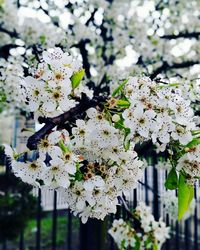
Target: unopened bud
{"type": "Point", "coordinates": [115, 118]}
{"type": "Point", "coordinates": [187, 149]}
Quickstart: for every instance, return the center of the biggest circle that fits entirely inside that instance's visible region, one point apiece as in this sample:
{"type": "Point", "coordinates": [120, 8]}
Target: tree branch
{"type": "Point", "coordinates": [91, 17]}
{"type": "Point", "coordinates": [84, 53]}
{"type": "Point", "coordinates": [4, 50]}
{"type": "Point", "coordinates": [10, 33]}
{"type": "Point", "coordinates": [182, 35]}
{"type": "Point", "coordinates": [69, 116]}
{"type": "Point", "coordinates": [165, 67]}
{"type": "Point", "coordinates": [149, 188]}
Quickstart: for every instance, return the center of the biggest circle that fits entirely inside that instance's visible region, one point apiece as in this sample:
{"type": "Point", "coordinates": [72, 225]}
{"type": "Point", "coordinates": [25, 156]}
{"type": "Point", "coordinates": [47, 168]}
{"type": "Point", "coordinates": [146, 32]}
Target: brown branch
{"type": "Point", "coordinates": [84, 53]}
{"type": "Point", "coordinates": [149, 188]}
{"type": "Point", "coordinates": [69, 116]}
{"type": "Point", "coordinates": [182, 35]}
{"type": "Point", "coordinates": [165, 67]}
{"type": "Point", "coordinates": [10, 33]}
{"type": "Point", "coordinates": [5, 49]}
{"type": "Point", "coordinates": [91, 19]}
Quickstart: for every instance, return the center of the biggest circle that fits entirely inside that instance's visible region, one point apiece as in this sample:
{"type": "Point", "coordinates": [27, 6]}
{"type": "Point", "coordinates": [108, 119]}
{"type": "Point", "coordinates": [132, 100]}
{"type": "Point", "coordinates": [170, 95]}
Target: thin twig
{"type": "Point", "coordinates": [182, 35]}
{"type": "Point", "coordinates": [148, 187]}
{"type": "Point", "coordinates": [165, 67]}
{"type": "Point", "coordinates": [130, 214]}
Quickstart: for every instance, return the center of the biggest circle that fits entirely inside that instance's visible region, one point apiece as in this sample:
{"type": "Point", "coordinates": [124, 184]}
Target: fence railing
{"type": "Point", "coordinates": [184, 234]}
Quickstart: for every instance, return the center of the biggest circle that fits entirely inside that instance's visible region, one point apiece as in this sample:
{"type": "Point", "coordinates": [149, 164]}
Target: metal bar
{"type": "Point", "coordinates": [16, 126]}
{"type": "Point", "coordinates": [111, 238]}
{"type": "Point", "coordinates": [21, 240]}
{"type": "Point", "coordinates": [69, 231]}
{"type": "Point", "coordinates": [146, 189]}
{"type": "Point", "coordinates": [155, 197]}
{"type": "Point", "coordinates": [54, 225]}
{"type": "Point", "coordinates": [167, 243]}
{"type": "Point", "coordinates": [124, 212]}
{"type": "Point", "coordinates": [7, 171]}
{"type": "Point", "coordinates": [196, 221]}
{"type": "Point", "coordinates": [118, 213]}
{"type": "Point", "coordinates": [186, 234]}
{"type": "Point", "coordinates": [177, 236]}
{"type": "Point", "coordinates": [83, 236]}
{"type": "Point", "coordinates": [135, 198]}
{"type": "Point", "coordinates": [4, 245]}
{"type": "Point", "coordinates": [38, 232]}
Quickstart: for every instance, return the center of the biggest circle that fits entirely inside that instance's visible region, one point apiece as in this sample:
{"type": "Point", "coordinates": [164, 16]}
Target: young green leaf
{"type": "Point", "coordinates": [155, 246]}
{"type": "Point", "coordinates": [77, 77]}
{"type": "Point", "coordinates": [185, 196]}
{"type": "Point", "coordinates": [123, 103]}
{"type": "Point", "coordinates": [193, 143]}
{"type": "Point", "coordinates": [42, 39]}
{"type": "Point", "coordinates": [119, 88]}
{"type": "Point", "coordinates": [137, 245]}
{"type": "Point", "coordinates": [122, 246]}
{"type": "Point", "coordinates": [2, 97]}
{"type": "Point", "coordinates": [172, 180]}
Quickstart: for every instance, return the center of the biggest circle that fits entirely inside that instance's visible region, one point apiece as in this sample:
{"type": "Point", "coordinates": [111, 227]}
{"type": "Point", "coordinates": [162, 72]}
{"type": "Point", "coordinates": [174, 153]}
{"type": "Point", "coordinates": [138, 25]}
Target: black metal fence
{"type": "Point", "coordinates": [93, 235]}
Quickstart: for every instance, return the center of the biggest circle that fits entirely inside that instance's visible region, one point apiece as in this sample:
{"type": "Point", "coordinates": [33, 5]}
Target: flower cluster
{"type": "Point", "coordinates": [164, 165]}
{"type": "Point", "coordinates": [109, 169]}
{"type": "Point", "coordinates": [123, 234]}
{"type": "Point", "coordinates": [170, 204]}
{"type": "Point", "coordinates": [50, 91]}
{"type": "Point", "coordinates": [34, 31]}
{"type": "Point", "coordinates": [8, 20]}
{"type": "Point", "coordinates": [191, 90]}
{"type": "Point", "coordinates": [157, 112]}
{"type": "Point", "coordinates": [11, 72]}
{"type": "Point", "coordinates": [89, 165]}
{"type": "Point", "coordinates": [189, 163]}
{"type": "Point", "coordinates": [149, 234]}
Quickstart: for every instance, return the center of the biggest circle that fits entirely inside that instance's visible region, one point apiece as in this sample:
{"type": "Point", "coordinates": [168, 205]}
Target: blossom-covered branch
{"type": "Point", "coordinates": [101, 119]}
{"type": "Point", "coordinates": [69, 116]}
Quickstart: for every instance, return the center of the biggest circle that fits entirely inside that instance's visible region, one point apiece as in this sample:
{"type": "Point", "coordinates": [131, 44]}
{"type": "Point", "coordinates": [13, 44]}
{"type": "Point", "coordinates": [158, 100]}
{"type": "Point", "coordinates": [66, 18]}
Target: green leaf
{"type": "Point", "coordinates": [172, 180]}
{"type": "Point", "coordinates": [122, 246]}
{"type": "Point", "coordinates": [119, 88]}
{"type": "Point", "coordinates": [193, 143]}
{"type": "Point", "coordinates": [185, 196]}
{"type": "Point", "coordinates": [147, 242]}
{"type": "Point", "coordinates": [77, 77]}
{"type": "Point", "coordinates": [127, 143]}
{"type": "Point", "coordinates": [43, 39]}
{"type": "Point", "coordinates": [137, 244]}
{"type": "Point", "coordinates": [123, 103]}
{"type": "Point", "coordinates": [78, 176]}
{"type": "Point", "coordinates": [155, 246]}
{"type": "Point", "coordinates": [2, 3]}
{"type": "Point", "coordinates": [2, 97]}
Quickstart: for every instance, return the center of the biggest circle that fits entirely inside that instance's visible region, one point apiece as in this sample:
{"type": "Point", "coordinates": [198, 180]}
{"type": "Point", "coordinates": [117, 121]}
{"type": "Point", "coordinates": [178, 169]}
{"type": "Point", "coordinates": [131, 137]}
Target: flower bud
{"type": "Point", "coordinates": [115, 118]}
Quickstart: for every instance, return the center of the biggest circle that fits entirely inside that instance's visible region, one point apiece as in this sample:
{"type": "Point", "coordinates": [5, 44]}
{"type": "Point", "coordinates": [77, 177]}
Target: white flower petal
{"type": "Point", "coordinates": [54, 137]}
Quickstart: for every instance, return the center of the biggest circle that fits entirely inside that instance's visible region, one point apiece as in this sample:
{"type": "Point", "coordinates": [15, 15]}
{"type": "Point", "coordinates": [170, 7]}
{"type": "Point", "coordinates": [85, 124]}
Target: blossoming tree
{"type": "Point", "coordinates": [127, 83]}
